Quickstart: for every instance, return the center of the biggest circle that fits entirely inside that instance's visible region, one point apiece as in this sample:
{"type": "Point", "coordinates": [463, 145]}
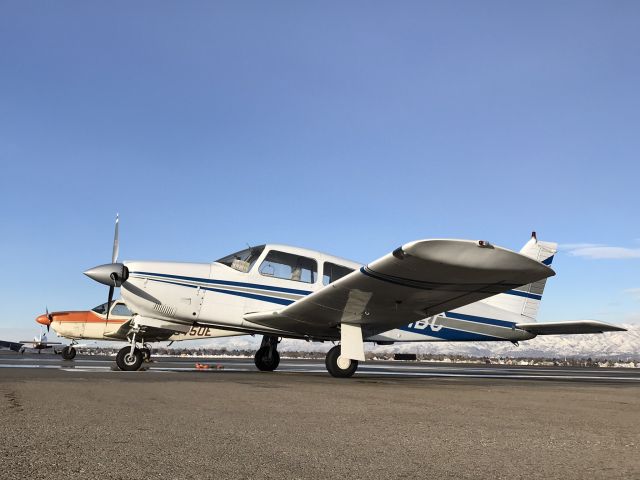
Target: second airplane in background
{"type": "Point", "coordinates": [113, 322]}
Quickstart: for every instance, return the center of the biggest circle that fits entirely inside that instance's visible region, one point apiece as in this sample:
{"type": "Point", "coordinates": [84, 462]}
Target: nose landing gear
{"type": "Point", "coordinates": [267, 357]}
{"type": "Point", "coordinates": [130, 358]}
{"type": "Point", "coordinates": [68, 353]}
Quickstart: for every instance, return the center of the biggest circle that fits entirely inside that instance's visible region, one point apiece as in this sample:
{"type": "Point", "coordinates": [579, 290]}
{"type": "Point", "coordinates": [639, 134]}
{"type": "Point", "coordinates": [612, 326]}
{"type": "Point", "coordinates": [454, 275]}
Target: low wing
{"type": "Point", "coordinates": [15, 346]}
{"type": "Point", "coordinates": [32, 342]}
{"type": "Point", "coordinates": [573, 327]}
{"type": "Point", "coordinates": [415, 281]}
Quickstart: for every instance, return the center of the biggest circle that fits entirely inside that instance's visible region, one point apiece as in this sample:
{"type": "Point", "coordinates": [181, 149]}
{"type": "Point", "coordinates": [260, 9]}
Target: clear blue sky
{"type": "Point", "coordinates": [349, 127]}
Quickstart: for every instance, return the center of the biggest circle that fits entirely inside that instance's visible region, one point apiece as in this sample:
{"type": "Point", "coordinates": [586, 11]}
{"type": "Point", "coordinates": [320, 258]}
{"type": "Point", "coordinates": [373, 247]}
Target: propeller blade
{"type": "Point", "coordinates": [48, 317]}
{"type": "Point", "coordinates": [116, 242]}
{"type": "Point", "coordinates": [111, 288]}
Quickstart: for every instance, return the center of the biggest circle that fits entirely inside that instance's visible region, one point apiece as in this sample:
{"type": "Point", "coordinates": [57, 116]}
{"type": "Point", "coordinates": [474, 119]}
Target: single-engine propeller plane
{"type": "Point", "coordinates": [113, 322]}
{"type": "Point", "coordinates": [425, 290]}
{"type": "Point", "coordinates": [39, 343]}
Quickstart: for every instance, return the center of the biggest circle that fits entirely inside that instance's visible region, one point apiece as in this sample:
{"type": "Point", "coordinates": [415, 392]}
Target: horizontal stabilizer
{"type": "Point", "coordinates": [566, 328]}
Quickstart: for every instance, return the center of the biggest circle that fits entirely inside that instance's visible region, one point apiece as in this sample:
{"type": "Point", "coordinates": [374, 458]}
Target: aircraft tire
{"type": "Point", "coordinates": [263, 362]}
{"type": "Point", "coordinates": [333, 364]}
{"type": "Point", "coordinates": [146, 354]}
{"type": "Point", "coordinates": [128, 362]}
{"type": "Point", "coordinates": [68, 353]}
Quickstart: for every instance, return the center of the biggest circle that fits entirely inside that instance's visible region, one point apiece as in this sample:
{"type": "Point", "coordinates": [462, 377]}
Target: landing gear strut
{"type": "Point", "coordinates": [339, 366]}
{"type": "Point", "coordinates": [267, 357]}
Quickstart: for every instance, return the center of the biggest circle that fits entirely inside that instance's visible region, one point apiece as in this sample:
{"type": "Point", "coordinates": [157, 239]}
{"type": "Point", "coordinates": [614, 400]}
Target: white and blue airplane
{"type": "Point", "coordinates": [426, 290]}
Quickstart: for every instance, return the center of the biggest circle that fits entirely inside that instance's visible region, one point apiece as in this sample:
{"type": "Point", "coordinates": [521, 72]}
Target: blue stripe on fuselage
{"type": "Point", "coordinates": [228, 283]}
{"type": "Point", "coordinates": [476, 319]}
{"type": "Point", "coordinates": [263, 298]}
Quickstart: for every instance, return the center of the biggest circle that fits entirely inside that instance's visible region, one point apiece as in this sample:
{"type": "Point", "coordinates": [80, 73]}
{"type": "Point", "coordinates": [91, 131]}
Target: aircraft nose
{"type": "Point", "coordinates": [111, 274]}
{"type": "Point", "coordinates": [44, 320]}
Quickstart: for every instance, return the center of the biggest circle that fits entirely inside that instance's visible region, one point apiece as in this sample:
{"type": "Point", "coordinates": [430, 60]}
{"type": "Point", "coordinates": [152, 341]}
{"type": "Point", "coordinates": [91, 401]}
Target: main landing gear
{"type": "Point", "coordinates": [267, 357]}
{"type": "Point", "coordinates": [339, 366]}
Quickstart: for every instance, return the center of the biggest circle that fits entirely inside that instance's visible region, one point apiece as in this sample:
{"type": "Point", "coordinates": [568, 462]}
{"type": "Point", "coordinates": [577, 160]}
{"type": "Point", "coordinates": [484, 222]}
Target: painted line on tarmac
{"type": "Point", "coordinates": [372, 370]}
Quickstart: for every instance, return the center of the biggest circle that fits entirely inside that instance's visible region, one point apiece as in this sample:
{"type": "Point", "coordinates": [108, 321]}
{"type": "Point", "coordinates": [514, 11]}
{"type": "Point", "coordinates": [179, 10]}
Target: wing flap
{"type": "Point", "coordinates": [415, 281]}
{"type": "Point", "coordinates": [567, 328]}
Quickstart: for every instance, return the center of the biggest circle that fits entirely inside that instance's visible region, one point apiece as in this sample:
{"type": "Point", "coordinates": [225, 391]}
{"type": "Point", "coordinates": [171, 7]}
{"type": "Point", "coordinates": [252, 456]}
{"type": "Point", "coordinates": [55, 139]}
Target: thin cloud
{"type": "Point", "coordinates": [634, 292]}
{"type": "Point", "coordinates": [576, 246]}
{"type": "Point", "coordinates": [599, 251]}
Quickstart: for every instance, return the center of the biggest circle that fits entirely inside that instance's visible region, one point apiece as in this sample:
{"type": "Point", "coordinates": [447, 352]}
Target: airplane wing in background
{"type": "Point", "coordinates": [572, 327]}
{"type": "Point", "coordinates": [415, 281]}
{"type": "Point", "coordinates": [15, 346]}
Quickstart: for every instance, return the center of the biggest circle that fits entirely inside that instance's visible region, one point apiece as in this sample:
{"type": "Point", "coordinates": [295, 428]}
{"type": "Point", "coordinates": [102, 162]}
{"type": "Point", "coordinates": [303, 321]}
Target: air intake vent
{"type": "Point", "coordinates": [166, 310]}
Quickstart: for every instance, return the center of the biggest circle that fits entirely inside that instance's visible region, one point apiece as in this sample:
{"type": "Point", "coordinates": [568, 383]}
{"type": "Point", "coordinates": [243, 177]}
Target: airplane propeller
{"type": "Point", "coordinates": [50, 317]}
{"type": "Point", "coordinates": [113, 274]}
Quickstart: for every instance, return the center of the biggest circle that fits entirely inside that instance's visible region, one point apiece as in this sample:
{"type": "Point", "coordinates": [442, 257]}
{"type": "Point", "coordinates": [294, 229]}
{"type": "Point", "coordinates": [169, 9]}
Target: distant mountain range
{"type": "Point", "coordinates": [605, 345]}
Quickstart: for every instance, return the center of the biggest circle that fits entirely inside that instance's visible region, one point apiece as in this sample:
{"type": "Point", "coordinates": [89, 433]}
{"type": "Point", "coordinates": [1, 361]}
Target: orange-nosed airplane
{"type": "Point", "coordinates": [95, 324]}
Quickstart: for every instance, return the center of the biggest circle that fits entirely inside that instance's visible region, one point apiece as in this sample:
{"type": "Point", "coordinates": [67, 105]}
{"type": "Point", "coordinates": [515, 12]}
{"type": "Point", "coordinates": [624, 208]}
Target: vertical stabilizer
{"type": "Point", "coordinates": [525, 300]}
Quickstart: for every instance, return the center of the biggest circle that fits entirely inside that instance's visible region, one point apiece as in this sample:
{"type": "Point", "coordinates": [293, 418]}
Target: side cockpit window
{"type": "Point", "coordinates": [332, 272]}
{"type": "Point", "coordinates": [289, 267]}
{"type": "Point", "coordinates": [121, 310]}
{"type": "Point", "coordinates": [243, 260]}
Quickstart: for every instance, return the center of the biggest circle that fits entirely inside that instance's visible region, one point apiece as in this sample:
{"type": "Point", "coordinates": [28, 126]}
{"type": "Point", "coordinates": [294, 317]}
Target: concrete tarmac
{"type": "Point", "coordinates": [392, 420]}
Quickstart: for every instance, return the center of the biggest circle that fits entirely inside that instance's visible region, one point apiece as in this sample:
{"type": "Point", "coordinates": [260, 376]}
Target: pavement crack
{"type": "Point", "coordinates": [14, 403]}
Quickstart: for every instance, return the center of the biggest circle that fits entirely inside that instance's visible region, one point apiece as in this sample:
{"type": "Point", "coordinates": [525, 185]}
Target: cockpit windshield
{"type": "Point", "coordinates": [242, 260]}
{"type": "Point", "coordinates": [101, 309]}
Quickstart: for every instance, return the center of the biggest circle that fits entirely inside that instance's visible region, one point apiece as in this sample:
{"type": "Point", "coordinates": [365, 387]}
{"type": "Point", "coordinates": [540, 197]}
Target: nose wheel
{"type": "Point", "coordinates": [129, 360]}
{"type": "Point", "coordinates": [68, 353]}
{"type": "Point", "coordinates": [267, 357]}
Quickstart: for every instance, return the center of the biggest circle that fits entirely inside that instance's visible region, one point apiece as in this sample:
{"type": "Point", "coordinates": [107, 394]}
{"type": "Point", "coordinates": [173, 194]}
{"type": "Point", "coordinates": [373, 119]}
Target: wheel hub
{"type": "Point", "coordinates": [343, 362]}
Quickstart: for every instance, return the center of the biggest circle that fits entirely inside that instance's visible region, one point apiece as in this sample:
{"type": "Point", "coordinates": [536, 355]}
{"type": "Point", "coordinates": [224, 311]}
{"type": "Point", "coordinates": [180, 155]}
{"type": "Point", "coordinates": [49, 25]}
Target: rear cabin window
{"type": "Point", "coordinates": [289, 267]}
{"type": "Point", "coordinates": [243, 260]}
{"type": "Point", "coordinates": [332, 272]}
